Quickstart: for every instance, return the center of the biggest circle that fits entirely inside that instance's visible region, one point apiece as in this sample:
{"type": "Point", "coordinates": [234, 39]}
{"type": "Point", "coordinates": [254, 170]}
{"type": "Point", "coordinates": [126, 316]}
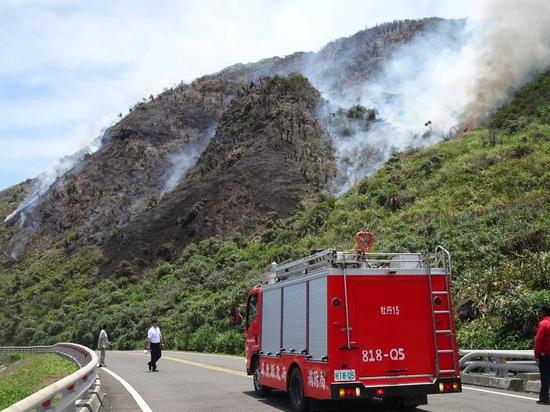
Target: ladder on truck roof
{"type": "Point", "coordinates": [332, 258]}
{"type": "Point", "coordinates": [442, 257]}
{"type": "Point", "coordinates": [300, 267]}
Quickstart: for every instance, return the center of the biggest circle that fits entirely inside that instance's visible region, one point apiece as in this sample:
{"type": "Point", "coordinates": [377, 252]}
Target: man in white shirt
{"type": "Point", "coordinates": [154, 344]}
{"type": "Point", "coordinates": [102, 344]}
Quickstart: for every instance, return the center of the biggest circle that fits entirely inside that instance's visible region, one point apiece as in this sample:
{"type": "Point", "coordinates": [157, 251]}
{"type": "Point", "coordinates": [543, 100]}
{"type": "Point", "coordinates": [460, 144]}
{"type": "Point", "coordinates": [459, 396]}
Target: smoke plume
{"type": "Point", "coordinates": [181, 162]}
{"type": "Point", "coordinates": [512, 47]}
{"type": "Point", "coordinates": [449, 77]}
{"type": "Point", "coordinates": [44, 180]}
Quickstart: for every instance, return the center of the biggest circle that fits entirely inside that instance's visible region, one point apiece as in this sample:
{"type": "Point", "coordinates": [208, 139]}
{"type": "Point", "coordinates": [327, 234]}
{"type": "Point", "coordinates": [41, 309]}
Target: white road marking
{"type": "Point", "coordinates": [499, 393]}
{"type": "Point", "coordinates": [137, 397]}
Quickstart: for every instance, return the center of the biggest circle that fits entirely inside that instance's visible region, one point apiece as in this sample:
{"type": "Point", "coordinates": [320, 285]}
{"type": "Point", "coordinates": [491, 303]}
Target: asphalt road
{"type": "Point", "coordinates": [199, 382]}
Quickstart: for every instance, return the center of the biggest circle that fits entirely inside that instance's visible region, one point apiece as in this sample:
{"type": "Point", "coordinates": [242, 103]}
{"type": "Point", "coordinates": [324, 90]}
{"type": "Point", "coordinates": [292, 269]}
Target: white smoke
{"type": "Point", "coordinates": [181, 161]}
{"type": "Point", "coordinates": [186, 157]}
{"type": "Point", "coordinates": [453, 76]}
{"type": "Point", "coordinates": [514, 45]}
{"type": "Point", "coordinates": [46, 179]}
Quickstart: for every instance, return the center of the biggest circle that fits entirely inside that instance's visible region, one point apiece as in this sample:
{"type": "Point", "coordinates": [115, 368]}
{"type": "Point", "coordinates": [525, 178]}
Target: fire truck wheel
{"type": "Point", "coordinates": [260, 389]}
{"type": "Point", "coordinates": [298, 402]}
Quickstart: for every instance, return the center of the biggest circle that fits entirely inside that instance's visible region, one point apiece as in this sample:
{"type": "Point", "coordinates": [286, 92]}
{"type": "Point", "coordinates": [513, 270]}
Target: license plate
{"type": "Point", "coordinates": [344, 375]}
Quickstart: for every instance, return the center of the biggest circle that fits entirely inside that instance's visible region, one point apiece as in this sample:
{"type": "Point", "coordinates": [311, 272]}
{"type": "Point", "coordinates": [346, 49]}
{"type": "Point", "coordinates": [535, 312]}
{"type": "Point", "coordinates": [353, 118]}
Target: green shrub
{"type": "Point", "coordinates": [520, 317]}
{"type": "Point", "coordinates": [356, 112]}
{"type": "Point", "coordinates": [202, 340]}
{"type": "Point", "coordinates": [14, 357]}
{"type": "Point", "coordinates": [163, 270]}
{"type": "Point", "coordinates": [478, 334]}
{"type": "Point", "coordinates": [231, 341]}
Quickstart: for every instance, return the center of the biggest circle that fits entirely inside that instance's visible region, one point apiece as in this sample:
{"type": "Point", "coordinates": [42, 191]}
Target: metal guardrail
{"type": "Point", "coordinates": [500, 362]}
{"type": "Point", "coordinates": [61, 395]}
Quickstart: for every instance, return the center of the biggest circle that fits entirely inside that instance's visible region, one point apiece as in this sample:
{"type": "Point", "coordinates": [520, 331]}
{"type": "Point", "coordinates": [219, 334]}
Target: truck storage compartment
{"type": "Point", "coordinates": [391, 315]}
{"type": "Point", "coordinates": [295, 318]}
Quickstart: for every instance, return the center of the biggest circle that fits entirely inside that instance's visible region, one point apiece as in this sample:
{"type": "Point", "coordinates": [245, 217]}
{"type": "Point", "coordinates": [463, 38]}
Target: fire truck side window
{"type": "Point", "coordinates": [251, 311]}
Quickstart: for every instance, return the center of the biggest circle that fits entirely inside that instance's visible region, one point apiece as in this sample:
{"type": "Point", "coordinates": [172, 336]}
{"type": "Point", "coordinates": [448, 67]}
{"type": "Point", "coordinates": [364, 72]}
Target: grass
{"type": "Point", "coordinates": [26, 374]}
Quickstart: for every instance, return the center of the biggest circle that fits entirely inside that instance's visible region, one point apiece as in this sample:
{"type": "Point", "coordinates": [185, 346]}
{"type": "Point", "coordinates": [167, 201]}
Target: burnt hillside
{"type": "Point", "coordinates": [218, 155]}
{"type": "Point", "coordinates": [269, 152]}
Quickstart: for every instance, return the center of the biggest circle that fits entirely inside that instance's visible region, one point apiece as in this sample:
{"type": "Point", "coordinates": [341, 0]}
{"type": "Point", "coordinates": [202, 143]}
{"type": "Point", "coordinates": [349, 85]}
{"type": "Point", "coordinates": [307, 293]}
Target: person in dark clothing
{"type": "Point", "coordinates": [542, 355]}
{"type": "Point", "coordinates": [155, 343]}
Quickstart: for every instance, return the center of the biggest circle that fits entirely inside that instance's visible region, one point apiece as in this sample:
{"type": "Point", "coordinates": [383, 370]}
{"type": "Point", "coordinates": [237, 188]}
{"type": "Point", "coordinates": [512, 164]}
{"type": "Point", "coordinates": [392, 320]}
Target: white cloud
{"type": "Point", "coordinates": [72, 65]}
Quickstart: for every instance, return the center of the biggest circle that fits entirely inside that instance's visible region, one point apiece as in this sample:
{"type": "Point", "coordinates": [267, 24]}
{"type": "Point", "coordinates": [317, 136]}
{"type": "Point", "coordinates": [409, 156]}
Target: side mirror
{"type": "Point", "coordinates": [235, 317]}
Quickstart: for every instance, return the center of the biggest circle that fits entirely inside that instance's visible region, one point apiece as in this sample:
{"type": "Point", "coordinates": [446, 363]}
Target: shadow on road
{"type": "Point", "coordinates": [276, 399]}
{"type": "Point", "coordinates": [279, 400]}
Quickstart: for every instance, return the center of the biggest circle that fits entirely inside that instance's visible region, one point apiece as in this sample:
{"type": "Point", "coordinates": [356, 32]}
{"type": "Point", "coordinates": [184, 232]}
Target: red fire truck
{"type": "Point", "coordinates": [341, 325]}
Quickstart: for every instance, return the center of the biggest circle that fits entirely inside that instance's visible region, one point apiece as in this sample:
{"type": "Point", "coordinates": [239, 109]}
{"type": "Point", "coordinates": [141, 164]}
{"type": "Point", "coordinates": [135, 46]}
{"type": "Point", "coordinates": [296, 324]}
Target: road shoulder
{"type": "Point", "coordinates": [117, 397]}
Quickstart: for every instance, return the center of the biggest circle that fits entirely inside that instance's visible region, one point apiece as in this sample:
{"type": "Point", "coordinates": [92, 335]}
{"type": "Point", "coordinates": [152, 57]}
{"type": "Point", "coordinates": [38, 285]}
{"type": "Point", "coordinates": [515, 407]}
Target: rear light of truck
{"type": "Point", "coordinates": [349, 392]}
{"type": "Point", "coordinates": [449, 387]}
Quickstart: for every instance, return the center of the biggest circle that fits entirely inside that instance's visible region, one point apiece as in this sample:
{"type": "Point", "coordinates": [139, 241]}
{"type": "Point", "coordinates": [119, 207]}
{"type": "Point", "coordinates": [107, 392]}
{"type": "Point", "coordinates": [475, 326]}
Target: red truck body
{"type": "Point", "coordinates": [354, 325]}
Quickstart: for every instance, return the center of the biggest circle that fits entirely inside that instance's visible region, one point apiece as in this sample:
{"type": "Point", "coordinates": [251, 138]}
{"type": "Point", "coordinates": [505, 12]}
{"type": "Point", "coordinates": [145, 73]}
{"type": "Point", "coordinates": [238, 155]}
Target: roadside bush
{"type": "Point", "coordinates": [125, 342]}
{"type": "Point", "coordinates": [14, 357]}
{"type": "Point", "coordinates": [521, 316]}
{"type": "Point", "coordinates": [179, 341]}
{"type": "Point", "coordinates": [478, 334]}
{"type": "Point", "coordinates": [231, 341]}
{"type": "Point", "coordinates": [10, 357]}
{"type": "Point", "coordinates": [202, 340]}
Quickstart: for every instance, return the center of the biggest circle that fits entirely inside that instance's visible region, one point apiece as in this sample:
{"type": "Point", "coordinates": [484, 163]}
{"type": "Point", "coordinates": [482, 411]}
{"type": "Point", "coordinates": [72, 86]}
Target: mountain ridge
{"type": "Point", "coordinates": [105, 192]}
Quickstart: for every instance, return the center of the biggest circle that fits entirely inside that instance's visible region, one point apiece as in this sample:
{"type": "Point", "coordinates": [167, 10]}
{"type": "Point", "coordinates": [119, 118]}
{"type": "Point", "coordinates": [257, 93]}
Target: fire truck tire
{"type": "Point", "coordinates": [261, 390]}
{"type": "Point", "coordinates": [298, 402]}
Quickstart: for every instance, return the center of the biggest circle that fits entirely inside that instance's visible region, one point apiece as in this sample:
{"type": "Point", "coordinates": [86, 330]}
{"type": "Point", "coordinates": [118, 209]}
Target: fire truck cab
{"type": "Point", "coordinates": [350, 325]}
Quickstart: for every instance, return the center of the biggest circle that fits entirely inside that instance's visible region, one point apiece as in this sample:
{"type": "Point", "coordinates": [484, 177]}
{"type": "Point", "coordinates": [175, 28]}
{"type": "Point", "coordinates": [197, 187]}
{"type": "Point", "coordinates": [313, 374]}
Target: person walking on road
{"type": "Point", "coordinates": [542, 355]}
{"type": "Point", "coordinates": [102, 344]}
{"type": "Point", "coordinates": [155, 343]}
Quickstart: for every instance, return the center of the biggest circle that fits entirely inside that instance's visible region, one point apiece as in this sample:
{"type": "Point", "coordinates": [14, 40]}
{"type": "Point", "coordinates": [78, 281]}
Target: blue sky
{"type": "Point", "coordinates": [69, 67]}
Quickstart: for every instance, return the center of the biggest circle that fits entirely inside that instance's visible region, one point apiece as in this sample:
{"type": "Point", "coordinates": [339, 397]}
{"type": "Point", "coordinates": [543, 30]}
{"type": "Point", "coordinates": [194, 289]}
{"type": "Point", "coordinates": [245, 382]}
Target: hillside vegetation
{"type": "Point", "coordinates": [485, 196]}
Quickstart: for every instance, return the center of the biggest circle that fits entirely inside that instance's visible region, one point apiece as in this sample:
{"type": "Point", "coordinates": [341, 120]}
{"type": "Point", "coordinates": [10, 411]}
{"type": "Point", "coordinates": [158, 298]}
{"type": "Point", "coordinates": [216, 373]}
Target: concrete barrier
{"type": "Point", "coordinates": [513, 370]}
{"type": "Point", "coordinates": [491, 381]}
{"type": "Point", "coordinates": [532, 386]}
{"type": "Point", "coordinates": [94, 399]}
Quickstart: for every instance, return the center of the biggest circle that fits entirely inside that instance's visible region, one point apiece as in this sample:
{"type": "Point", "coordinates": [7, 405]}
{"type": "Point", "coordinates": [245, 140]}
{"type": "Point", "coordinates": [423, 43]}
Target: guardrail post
{"type": "Point", "coordinates": [503, 372]}
{"type": "Point", "coordinates": [486, 369]}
